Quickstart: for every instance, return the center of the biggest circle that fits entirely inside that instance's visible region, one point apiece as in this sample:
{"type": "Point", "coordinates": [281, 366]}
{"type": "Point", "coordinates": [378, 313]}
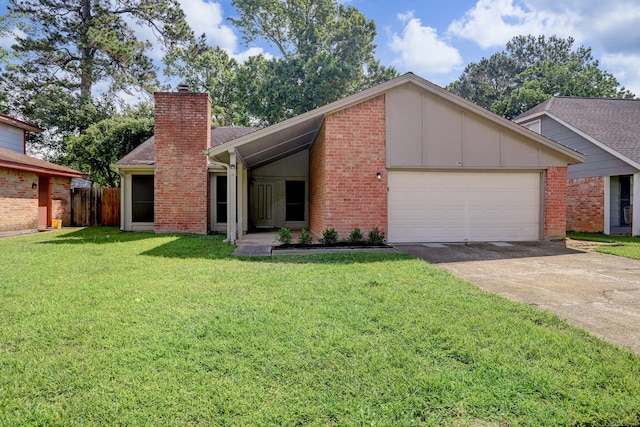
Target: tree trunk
{"type": "Point", "coordinates": [86, 66]}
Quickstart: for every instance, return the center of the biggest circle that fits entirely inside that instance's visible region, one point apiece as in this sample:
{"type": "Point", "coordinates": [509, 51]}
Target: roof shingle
{"type": "Point", "coordinates": [613, 122]}
{"type": "Point", "coordinates": [13, 160]}
{"type": "Point", "coordinates": [144, 154]}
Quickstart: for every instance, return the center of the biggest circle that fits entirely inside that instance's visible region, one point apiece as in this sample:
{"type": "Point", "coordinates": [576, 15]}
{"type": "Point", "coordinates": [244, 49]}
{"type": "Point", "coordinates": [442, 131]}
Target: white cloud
{"type": "Point", "coordinates": [207, 18]}
{"type": "Point", "coordinates": [252, 51]}
{"type": "Point", "coordinates": [626, 68]}
{"type": "Point", "coordinates": [420, 50]}
{"type": "Point", "coordinates": [492, 23]}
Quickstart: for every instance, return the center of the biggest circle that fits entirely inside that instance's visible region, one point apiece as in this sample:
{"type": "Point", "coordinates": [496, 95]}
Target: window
{"type": "Point", "coordinates": [294, 199]}
{"type": "Point", "coordinates": [221, 198]}
{"type": "Point", "coordinates": [142, 198]}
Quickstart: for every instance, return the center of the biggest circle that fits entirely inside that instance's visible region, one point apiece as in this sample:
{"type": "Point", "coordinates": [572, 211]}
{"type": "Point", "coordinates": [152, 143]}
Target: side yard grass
{"type": "Point", "coordinates": [99, 327]}
{"type": "Point", "coordinates": [625, 246]}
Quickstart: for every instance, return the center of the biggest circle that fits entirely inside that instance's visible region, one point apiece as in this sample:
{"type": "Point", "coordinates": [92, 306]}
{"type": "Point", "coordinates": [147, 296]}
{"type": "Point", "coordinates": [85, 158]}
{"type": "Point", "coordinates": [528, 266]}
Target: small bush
{"type": "Point", "coordinates": [305, 237]}
{"type": "Point", "coordinates": [376, 237]}
{"type": "Point", "coordinates": [329, 237]}
{"type": "Point", "coordinates": [356, 236]}
{"type": "Point", "coordinates": [284, 236]}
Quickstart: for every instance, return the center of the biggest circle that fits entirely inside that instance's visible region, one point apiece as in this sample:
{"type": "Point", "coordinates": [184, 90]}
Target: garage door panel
{"type": "Point", "coordinates": [459, 206]}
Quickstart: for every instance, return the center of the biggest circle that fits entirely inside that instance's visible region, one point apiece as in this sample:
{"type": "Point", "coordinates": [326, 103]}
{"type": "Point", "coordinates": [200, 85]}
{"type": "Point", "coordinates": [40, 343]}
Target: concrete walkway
{"type": "Point", "coordinates": [256, 244]}
{"type": "Point", "coordinates": [598, 292]}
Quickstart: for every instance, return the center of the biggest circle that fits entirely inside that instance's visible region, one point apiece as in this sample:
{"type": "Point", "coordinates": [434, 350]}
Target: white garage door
{"type": "Point", "coordinates": [463, 206]}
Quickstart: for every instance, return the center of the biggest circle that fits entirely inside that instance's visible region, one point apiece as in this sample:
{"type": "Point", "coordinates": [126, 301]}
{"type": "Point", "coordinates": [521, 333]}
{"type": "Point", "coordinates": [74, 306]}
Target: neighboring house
{"type": "Point", "coordinates": [406, 156]}
{"type": "Point", "coordinates": [601, 191]}
{"type": "Point", "coordinates": [32, 191]}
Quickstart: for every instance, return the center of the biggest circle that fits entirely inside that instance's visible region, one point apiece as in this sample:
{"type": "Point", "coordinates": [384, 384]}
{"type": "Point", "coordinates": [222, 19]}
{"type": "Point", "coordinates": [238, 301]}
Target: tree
{"type": "Point", "coordinates": [326, 49]}
{"type": "Point", "coordinates": [212, 70]}
{"type": "Point", "coordinates": [531, 70]}
{"type": "Point", "coordinates": [69, 49]}
{"type": "Point", "coordinates": [105, 142]}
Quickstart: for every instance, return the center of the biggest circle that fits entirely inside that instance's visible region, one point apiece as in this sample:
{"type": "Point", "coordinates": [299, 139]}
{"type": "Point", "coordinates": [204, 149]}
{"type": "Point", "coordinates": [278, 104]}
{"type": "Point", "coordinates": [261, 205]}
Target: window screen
{"type": "Point", "coordinates": [142, 198]}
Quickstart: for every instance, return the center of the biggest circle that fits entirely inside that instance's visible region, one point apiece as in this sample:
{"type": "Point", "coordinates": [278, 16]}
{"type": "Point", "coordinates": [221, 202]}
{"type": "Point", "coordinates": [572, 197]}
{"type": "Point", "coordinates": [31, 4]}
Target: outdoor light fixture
{"type": "Point", "coordinates": [34, 186]}
{"type": "Point", "coordinates": [379, 175]}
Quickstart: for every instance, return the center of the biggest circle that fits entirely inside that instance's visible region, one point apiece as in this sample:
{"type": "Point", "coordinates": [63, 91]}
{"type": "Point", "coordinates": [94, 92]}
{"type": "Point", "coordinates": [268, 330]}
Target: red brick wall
{"type": "Point", "coordinates": [585, 205]}
{"type": "Point", "coordinates": [555, 206]}
{"type": "Point", "coordinates": [182, 133]}
{"type": "Point", "coordinates": [61, 199]}
{"type": "Point", "coordinates": [18, 201]}
{"type": "Point", "coordinates": [344, 190]}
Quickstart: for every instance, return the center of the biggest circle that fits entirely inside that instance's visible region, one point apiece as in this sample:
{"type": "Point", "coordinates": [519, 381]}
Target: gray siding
{"type": "Point", "coordinates": [426, 131]}
{"type": "Point", "coordinates": [598, 162]}
{"type": "Point", "coordinates": [12, 138]}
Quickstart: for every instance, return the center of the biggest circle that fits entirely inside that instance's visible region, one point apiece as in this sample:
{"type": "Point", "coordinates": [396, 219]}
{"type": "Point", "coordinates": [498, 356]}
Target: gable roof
{"type": "Point", "coordinates": [298, 133]}
{"type": "Point", "coordinates": [10, 159]}
{"type": "Point", "coordinates": [612, 124]}
{"type": "Point", "coordinates": [19, 124]}
{"type": "Point", "coordinates": [144, 154]}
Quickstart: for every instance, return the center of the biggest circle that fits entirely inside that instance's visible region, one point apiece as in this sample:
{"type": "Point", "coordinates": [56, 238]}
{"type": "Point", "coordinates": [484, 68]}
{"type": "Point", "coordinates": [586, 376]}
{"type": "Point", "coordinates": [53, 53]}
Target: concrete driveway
{"type": "Point", "coordinates": [598, 292]}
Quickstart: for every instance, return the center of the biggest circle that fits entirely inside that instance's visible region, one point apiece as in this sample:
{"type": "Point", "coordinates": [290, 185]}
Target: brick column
{"type": "Point", "coordinates": [348, 152]}
{"type": "Point", "coordinates": [182, 133]}
{"type": "Point", "coordinates": [555, 203]}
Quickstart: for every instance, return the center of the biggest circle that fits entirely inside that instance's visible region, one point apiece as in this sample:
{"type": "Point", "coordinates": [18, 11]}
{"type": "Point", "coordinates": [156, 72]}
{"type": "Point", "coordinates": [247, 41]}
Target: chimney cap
{"type": "Point", "coordinates": [183, 88]}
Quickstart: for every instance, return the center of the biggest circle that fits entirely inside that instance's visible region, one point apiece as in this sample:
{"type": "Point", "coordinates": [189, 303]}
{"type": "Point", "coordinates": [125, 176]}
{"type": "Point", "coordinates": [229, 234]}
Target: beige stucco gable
{"type": "Point", "coordinates": [427, 130]}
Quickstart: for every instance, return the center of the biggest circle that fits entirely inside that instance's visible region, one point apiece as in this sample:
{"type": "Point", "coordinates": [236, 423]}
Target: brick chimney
{"type": "Point", "coordinates": [182, 133]}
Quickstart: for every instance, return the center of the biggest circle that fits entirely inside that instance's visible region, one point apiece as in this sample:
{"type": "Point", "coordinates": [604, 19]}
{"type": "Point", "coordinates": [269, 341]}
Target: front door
{"type": "Point", "coordinates": [263, 204]}
{"type": "Point", "coordinates": [44, 219]}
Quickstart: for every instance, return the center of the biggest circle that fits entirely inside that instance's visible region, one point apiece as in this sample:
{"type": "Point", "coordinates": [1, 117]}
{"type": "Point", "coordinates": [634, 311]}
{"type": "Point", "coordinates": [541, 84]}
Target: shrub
{"type": "Point", "coordinates": [376, 237]}
{"type": "Point", "coordinates": [329, 237]}
{"type": "Point", "coordinates": [284, 236]}
{"type": "Point", "coordinates": [356, 236]}
{"type": "Point", "coordinates": [305, 237]}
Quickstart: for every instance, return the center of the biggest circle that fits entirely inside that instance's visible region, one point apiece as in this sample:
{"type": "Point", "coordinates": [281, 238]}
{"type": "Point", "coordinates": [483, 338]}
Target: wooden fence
{"type": "Point", "coordinates": [95, 206]}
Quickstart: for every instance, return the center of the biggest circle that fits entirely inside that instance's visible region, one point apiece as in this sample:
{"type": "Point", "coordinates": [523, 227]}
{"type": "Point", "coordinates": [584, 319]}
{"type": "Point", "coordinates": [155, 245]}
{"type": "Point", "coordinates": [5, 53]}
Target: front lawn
{"type": "Point", "coordinates": [99, 327]}
{"type": "Point", "coordinates": [625, 246]}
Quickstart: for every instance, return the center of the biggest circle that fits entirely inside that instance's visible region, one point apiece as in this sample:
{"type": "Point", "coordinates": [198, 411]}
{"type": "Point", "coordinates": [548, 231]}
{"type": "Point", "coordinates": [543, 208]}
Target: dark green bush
{"type": "Point", "coordinates": [305, 237]}
{"type": "Point", "coordinates": [284, 236]}
{"type": "Point", "coordinates": [329, 237]}
{"type": "Point", "coordinates": [376, 237]}
{"type": "Point", "coordinates": [355, 236]}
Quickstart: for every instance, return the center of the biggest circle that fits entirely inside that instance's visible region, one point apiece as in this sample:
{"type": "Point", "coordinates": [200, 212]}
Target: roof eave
{"type": "Point", "coordinates": [382, 88]}
{"type": "Point", "coordinates": [594, 141]}
{"type": "Point", "coordinates": [41, 170]}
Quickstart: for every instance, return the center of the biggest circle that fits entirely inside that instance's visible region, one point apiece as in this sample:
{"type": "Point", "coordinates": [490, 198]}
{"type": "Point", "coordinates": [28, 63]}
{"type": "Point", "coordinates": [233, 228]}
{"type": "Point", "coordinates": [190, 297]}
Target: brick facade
{"type": "Point", "coordinates": [182, 133]}
{"type": "Point", "coordinates": [18, 200]}
{"type": "Point", "coordinates": [555, 203]}
{"type": "Point", "coordinates": [344, 160]}
{"type": "Point", "coordinates": [585, 204]}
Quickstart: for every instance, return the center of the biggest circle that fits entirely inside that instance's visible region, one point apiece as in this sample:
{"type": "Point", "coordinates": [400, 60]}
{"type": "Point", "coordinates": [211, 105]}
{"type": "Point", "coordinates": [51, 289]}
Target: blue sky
{"type": "Point", "coordinates": [437, 38]}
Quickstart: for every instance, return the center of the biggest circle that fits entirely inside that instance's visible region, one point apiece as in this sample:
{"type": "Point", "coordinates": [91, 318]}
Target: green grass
{"type": "Point", "coordinates": [625, 246]}
{"type": "Point", "coordinates": [98, 327]}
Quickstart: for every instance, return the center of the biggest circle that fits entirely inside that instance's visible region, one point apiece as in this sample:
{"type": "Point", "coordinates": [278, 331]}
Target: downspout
{"type": "Point", "coordinates": [607, 205]}
{"type": "Point", "coordinates": [230, 239]}
{"type": "Point", "coordinates": [122, 198]}
{"type": "Point", "coordinates": [635, 203]}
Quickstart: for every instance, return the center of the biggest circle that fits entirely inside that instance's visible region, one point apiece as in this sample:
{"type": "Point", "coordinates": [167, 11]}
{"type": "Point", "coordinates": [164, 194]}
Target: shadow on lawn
{"type": "Point", "coordinates": [212, 247]}
{"type": "Point", "coordinates": [100, 235]}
